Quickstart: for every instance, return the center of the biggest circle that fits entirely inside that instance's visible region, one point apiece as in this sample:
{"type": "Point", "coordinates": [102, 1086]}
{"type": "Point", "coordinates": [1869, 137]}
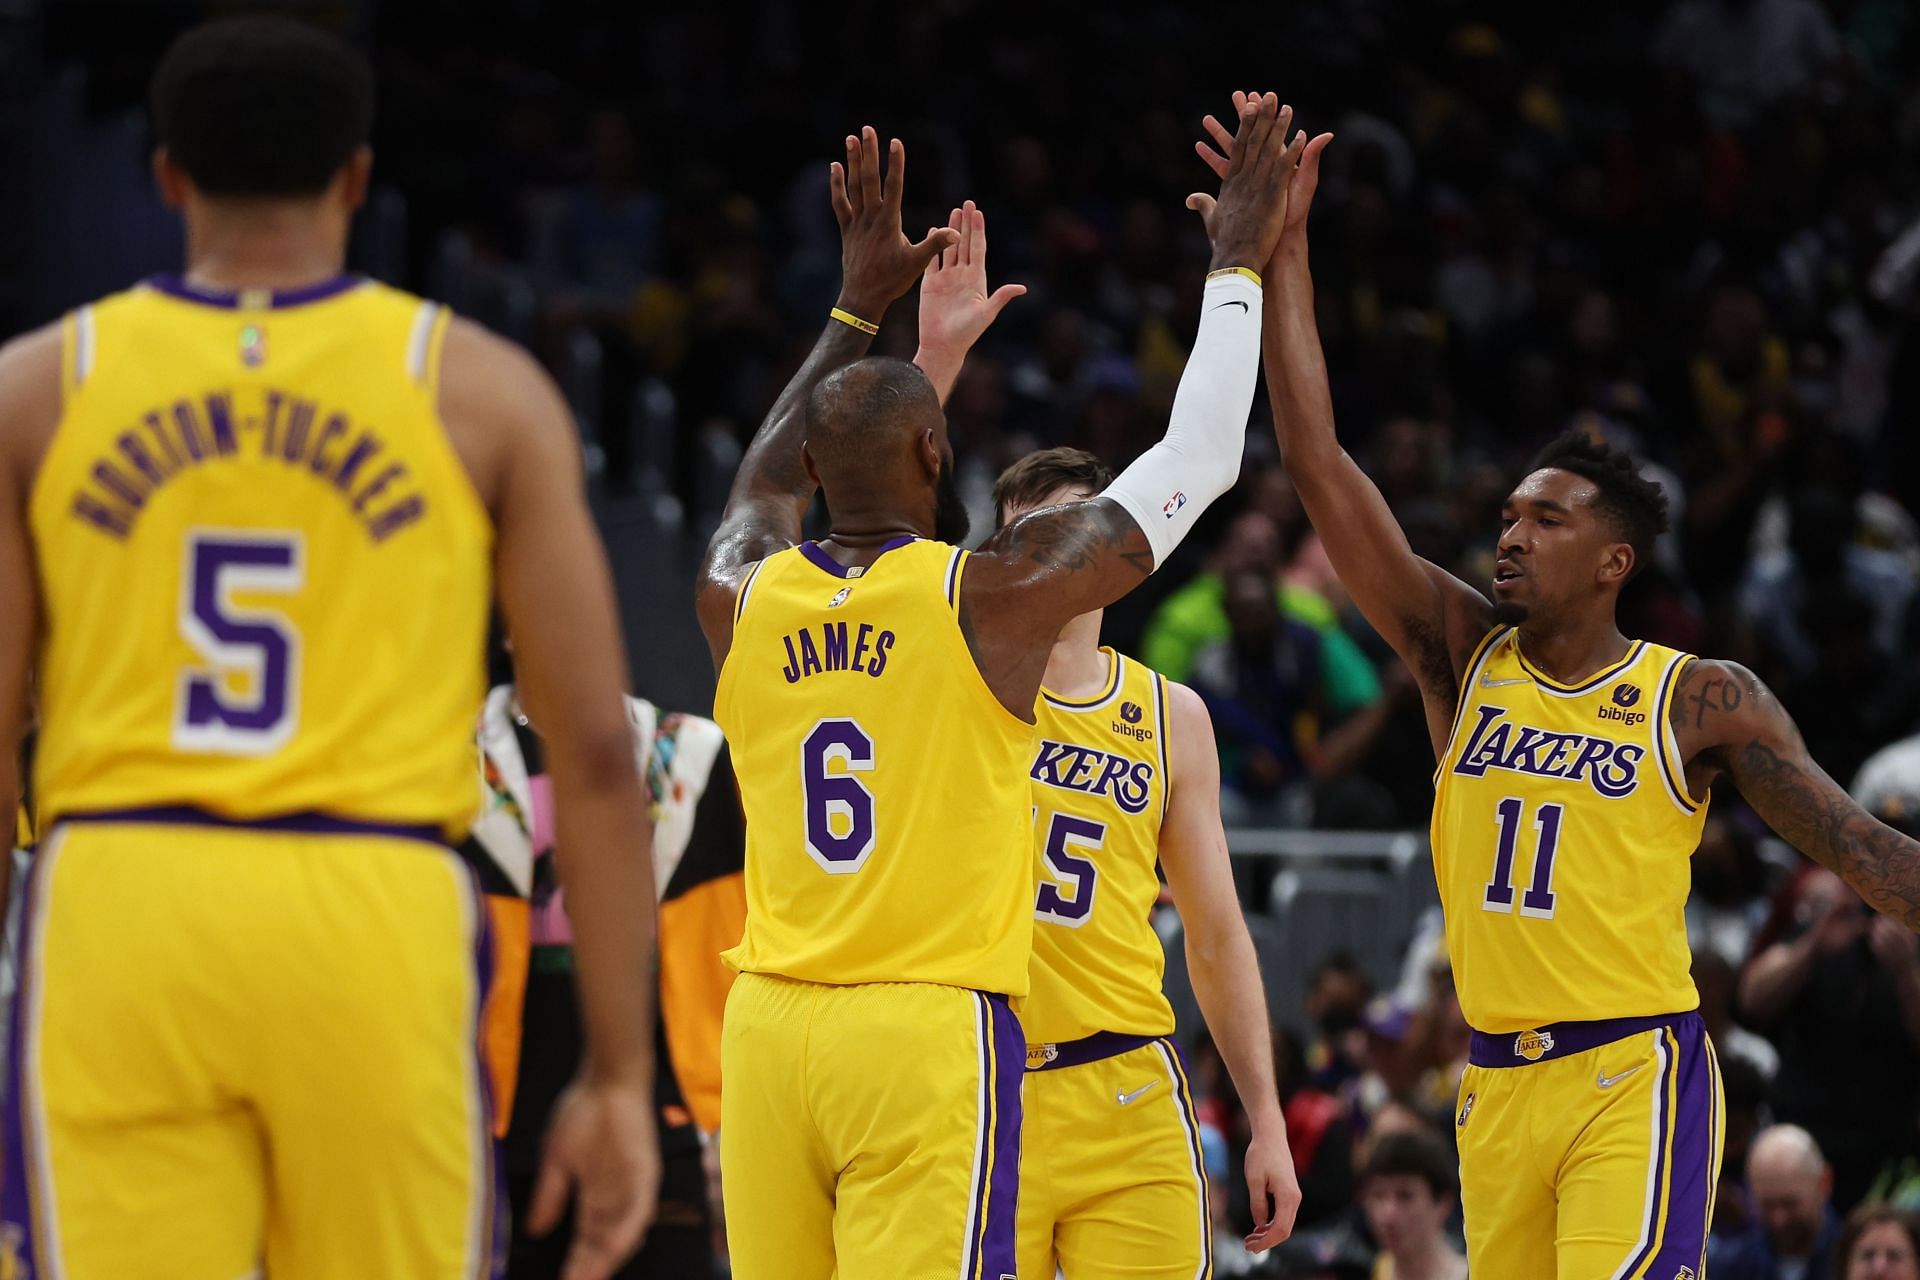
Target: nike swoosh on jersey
{"type": "Point", "coordinates": [1125, 1098]}
{"type": "Point", "coordinates": [1607, 1082]}
{"type": "Point", "coordinates": [1488, 682]}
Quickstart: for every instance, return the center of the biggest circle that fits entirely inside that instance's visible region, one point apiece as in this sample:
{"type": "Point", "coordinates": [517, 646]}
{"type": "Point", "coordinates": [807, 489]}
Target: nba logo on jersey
{"type": "Point", "coordinates": [1533, 1045]}
{"type": "Point", "coordinates": [840, 597]}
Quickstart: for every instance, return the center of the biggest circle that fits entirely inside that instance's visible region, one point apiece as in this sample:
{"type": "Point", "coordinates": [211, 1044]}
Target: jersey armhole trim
{"type": "Point", "coordinates": [746, 588]}
{"type": "Point", "coordinates": [1475, 664]}
{"type": "Point", "coordinates": [424, 344]}
{"type": "Point", "coordinates": [1666, 744]}
{"type": "Point", "coordinates": [955, 566]}
{"type": "Point", "coordinates": [1161, 719]}
{"type": "Point", "coordinates": [79, 347]}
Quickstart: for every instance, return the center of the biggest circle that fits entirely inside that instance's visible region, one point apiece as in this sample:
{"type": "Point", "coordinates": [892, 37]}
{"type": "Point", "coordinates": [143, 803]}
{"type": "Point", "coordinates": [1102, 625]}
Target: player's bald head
{"type": "Point", "coordinates": [864, 417]}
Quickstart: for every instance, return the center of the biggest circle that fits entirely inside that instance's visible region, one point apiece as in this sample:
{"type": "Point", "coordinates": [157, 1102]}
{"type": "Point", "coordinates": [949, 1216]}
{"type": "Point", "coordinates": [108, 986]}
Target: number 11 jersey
{"type": "Point", "coordinates": [1563, 837]}
{"type": "Point", "coordinates": [885, 786]}
{"type": "Point", "coordinates": [264, 570]}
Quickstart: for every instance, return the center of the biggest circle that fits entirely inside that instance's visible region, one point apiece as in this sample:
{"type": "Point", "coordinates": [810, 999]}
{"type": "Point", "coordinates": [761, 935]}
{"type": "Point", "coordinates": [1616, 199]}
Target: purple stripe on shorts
{"type": "Point", "coordinates": [983, 1135]}
{"type": "Point", "coordinates": [1683, 1239]}
{"type": "Point", "coordinates": [16, 1201]}
{"type": "Point", "coordinates": [997, 1251]}
{"type": "Point", "coordinates": [1190, 1120]}
{"type": "Point", "coordinates": [1653, 1224]}
{"type": "Point", "coordinates": [494, 1222]}
{"type": "Point", "coordinates": [317, 824]}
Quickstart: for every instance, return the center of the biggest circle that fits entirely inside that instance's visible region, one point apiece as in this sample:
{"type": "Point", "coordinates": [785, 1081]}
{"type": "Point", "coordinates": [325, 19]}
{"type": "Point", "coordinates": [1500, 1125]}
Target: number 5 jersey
{"type": "Point", "coordinates": [885, 786]}
{"type": "Point", "coordinates": [1563, 834]}
{"type": "Point", "coordinates": [265, 572]}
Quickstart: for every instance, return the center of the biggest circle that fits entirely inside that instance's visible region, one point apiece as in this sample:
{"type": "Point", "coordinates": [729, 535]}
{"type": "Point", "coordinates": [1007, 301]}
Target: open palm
{"type": "Point", "coordinates": [955, 307]}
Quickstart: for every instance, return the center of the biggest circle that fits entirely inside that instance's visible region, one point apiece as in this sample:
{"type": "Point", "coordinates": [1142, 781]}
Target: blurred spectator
{"type": "Point", "coordinates": [1262, 685]}
{"type": "Point", "coordinates": [1729, 899]}
{"type": "Point", "coordinates": [1746, 54]}
{"type": "Point", "coordinates": [1888, 785]}
{"type": "Point", "coordinates": [1811, 580]}
{"type": "Point", "coordinates": [1336, 1005]}
{"type": "Point", "coordinates": [1880, 1242]}
{"type": "Point", "coordinates": [1409, 1187]}
{"type": "Point", "coordinates": [1746, 1096]}
{"type": "Point", "coordinates": [1319, 1133]}
{"type": "Point", "coordinates": [1838, 986]}
{"type": "Point", "coordinates": [1716, 980]}
{"type": "Point", "coordinates": [1795, 1228]}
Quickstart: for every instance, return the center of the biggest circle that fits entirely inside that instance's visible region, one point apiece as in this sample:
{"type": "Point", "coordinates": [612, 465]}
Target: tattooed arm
{"type": "Point", "coordinates": [772, 490]}
{"type": "Point", "coordinates": [1728, 722]}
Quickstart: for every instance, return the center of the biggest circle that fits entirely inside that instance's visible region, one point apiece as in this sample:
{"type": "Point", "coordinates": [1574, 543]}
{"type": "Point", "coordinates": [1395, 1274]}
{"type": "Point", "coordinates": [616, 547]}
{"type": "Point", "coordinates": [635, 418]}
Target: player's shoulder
{"type": "Point", "coordinates": [30, 396]}
{"type": "Point", "coordinates": [1713, 695]}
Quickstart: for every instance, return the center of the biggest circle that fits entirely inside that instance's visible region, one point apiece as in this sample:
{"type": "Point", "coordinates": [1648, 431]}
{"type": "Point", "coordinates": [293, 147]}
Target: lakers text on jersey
{"type": "Point", "coordinates": [1562, 839]}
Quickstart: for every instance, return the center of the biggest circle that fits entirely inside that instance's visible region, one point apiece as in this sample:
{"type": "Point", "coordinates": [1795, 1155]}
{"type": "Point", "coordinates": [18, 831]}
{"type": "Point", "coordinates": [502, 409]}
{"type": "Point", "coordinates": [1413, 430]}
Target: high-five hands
{"type": "Point", "coordinates": [877, 261]}
{"type": "Point", "coordinates": [1304, 179]}
{"type": "Point", "coordinates": [1245, 222]}
{"type": "Point", "coordinates": [955, 307]}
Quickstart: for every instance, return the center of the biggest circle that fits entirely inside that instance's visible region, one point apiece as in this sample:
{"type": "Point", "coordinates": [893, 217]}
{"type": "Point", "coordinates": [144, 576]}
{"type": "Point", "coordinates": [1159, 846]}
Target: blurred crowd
{"type": "Point", "coordinates": [1689, 226]}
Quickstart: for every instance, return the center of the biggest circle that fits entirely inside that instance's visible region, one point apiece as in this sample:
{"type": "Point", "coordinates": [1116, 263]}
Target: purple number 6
{"type": "Point", "coordinates": [258, 646]}
{"type": "Point", "coordinates": [840, 847]}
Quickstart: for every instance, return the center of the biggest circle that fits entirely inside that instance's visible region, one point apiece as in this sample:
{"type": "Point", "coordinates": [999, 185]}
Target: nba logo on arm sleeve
{"type": "Point", "coordinates": [1171, 507]}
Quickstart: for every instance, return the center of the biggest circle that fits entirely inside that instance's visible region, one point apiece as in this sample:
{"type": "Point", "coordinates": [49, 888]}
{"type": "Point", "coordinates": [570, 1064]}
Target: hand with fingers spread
{"type": "Point", "coordinates": [955, 307]}
{"type": "Point", "coordinates": [1244, 222]}
{"type": "Point", "coordinates": [602, 1145]}
{"type": "Point", "coordinates": [1305, 179]}
{"type": "Point", "coordinates": [877, 262]}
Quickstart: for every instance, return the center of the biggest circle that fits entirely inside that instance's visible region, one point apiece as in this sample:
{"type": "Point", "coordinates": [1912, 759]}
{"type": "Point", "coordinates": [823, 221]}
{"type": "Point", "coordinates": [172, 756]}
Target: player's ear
{"type": "Point", "coordinates": [356, 175]}
{"type": "Point", "coordinates": [1616, 565]}
{"type": "Point", "coordinates": [930, 453]}
{"type": "Point", "coordinates": [169, 179]}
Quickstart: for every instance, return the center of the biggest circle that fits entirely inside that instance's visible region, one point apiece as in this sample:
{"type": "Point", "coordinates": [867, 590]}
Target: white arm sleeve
{"type": "Point", "coordinates": [1169, 485]}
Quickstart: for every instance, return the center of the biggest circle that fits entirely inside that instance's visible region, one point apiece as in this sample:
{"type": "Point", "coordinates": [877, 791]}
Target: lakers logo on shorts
{"type": "Point", "coordinates": [1684, 1273]}
{"type": "Point", "coordinates": [1533, 1045]}
{"type": "Point", "coordinates": [13, 1243]}
{"type": "Point", "coordinates": [1039, 1055]}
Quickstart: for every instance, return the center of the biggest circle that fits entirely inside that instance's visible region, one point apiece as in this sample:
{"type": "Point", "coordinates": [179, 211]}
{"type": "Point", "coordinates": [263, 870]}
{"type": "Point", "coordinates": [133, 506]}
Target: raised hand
{"type": "Point", "coordinates": [955, 307]}
{"type": "Point", "coordinates": [1301, 188]}
{"type": "Point", "coordinates": [877, 262]}
{"type": "Point", "coordinates": [1244, 223]}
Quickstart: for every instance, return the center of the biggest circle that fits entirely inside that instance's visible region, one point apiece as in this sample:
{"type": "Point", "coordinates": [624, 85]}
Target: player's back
{"type": "Point", "coordinates": [265, 571]}
{"type": "Point", "coordinates": [1562, 840]}
{"type": "Point", "coordinates": [885, 787]}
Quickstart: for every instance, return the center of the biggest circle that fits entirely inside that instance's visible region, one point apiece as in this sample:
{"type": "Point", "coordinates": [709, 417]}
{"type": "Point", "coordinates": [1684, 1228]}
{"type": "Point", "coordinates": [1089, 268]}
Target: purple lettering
{"type": "Point", "coordinates": [156, 429]}
{"type": "Point", "coordinates": [881, 648]}
{"type": "Point", "coordinates": [1526, 744]}
{"type": "Point", "coordinates": [376, 486]}
{"type": "Point", "coordinates": [1046, 765]}
{"type": "Point", "coordinates": [1111, 772]}
{"type": "Point", "coordinates": [274, 401]}
{"type": "Point", "coordinates": [1618, 776]}
{"type": "Point", "coordinates": [136, 453]}
{"type": "Point", "coordinates": [1132, 794]}
{"type": "Point", "coordinates": [320, 463]}
{"type": "Point", "coordinates": [792, 670]}
{"type": "Point", "coordinates": [860, 646]}
{"type": "Point", "coordinates": [188, 425]}
{"type": "Point", "coordinates": [1592, 752]}
{"type": "Point", "coordinates": [407, 511]}
{"type": "Point", "coordinates": [363, 448]}
{"type": "Point", "coordinates": [1554, 766]}
{"type": "Point", "coordinates": [102, 517]}
{"type": "Point", "coordinates": [809, 656]}
{"type": "Point", "coordinates": [220, 419]}
{"type": "Point", "coordinates": [834, 636]}
{"type": "Point", "coordinates": [118, 485]}
{"type": "Point", "coordinates": [300, 416]}
{"type": "Point", "coordinates": [1473, 761]}
{"type": "Point", "coordinates": [1080, 778]}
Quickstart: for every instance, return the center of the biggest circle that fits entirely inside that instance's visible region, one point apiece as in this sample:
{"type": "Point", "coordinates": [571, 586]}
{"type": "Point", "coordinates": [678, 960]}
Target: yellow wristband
{"type": "Point", "coordinates": [864, 326]}
{"type": "Point", "coordinates": [1248, 272]}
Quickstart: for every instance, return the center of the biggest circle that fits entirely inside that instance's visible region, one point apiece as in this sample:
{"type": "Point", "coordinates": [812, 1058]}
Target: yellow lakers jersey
{"type": "Point", "coordinates": [266, 574]}
{"type": "Point", "coordinates": [884, 785]}
{"type": "Point", "coordinates": [1563, 833]}
{"type": "Point", "coordinates": [1099, 792]}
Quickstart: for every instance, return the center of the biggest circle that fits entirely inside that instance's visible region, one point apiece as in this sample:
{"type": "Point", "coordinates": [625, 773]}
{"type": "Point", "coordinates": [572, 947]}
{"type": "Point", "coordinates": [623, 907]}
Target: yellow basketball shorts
{"type": "Point", "coordinates": [869, 1132]}
{"type": "Point", "coordinates": [1113, 1183]}
{"type": "Point", "coordinates": [247, 1049]}
{"type": "Point", "coordinates": [1590, 1150]}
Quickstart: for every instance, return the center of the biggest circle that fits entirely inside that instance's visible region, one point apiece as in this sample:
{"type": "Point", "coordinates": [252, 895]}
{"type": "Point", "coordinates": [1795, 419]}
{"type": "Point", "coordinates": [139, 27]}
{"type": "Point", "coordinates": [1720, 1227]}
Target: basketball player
{"type": "Point", "coordinates": [1574, 767]}
{"type": "Point", "coordinates": [1126, 774]}
{"type": "Point", "coordinates": [250, 519]}
{"type": "Point", "coordinates": [877, 687]}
